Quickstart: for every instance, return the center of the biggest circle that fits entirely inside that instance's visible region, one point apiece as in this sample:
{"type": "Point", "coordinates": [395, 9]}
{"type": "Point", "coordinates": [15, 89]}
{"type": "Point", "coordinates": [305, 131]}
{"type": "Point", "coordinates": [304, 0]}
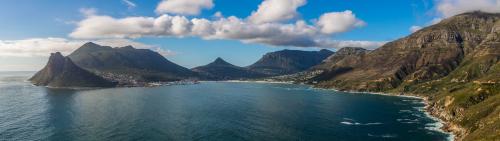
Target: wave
{"type": "Point", "coordinates": [357, 123]}
{"type": "Point", "coordinates": [383, 135]}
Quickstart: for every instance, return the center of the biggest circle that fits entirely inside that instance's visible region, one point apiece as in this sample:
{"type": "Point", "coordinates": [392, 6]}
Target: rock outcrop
{"type": "Point", "coordinates": [340, 55]}
{"type": "Point", "coordinates": [60, 71]}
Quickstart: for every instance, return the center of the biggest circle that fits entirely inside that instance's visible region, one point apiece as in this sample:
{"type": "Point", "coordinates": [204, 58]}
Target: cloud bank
{"type": "Point", "coordinates": [298, 34]}
{"type": "Point", "coordinates": [183, 7]}
{"type": "Point", "coordinates": [450, 8]}
{"type": "Point", "coordinates": [41, 47]}
{"type": "Point", "coordinates": [276, 11]}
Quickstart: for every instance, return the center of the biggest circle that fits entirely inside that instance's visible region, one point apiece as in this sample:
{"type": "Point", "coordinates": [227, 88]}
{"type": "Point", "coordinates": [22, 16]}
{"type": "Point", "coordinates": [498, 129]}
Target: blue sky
{"type": "Point", "coordinates": [375, 21]}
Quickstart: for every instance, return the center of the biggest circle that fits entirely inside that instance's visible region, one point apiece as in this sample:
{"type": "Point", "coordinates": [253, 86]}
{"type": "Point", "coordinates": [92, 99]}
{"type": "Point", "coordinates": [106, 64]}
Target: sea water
{"type": "Point", "coordinates": [207, 111]}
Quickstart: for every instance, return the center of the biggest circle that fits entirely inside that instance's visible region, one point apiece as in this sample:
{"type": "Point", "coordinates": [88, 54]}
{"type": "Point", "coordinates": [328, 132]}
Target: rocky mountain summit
{"type": "Point", "coordinates": [222, 70]}
{"type": "Point", "coordinates": [60, 71]}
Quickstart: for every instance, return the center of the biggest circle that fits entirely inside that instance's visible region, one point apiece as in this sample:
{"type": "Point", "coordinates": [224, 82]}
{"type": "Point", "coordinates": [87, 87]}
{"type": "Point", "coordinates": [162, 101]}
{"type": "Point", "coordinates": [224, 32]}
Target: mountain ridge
{"type": "Point", "coordinates": [288, 61]}
{"type": "Point", "coordinates": [219, 69]}
{"type": "Point", "coordinates": [455, 64]}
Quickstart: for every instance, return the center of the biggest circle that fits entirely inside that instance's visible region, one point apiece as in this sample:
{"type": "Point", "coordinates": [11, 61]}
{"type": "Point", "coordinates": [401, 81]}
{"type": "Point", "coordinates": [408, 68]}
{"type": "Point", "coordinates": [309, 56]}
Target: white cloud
{"type": "Point", "coordinates": [129, 4]}
{"type": "Point", "coordinates": [298, 34]}
{"type": "Point", "coordinates": [435, 21]}
{"type": "Point", "coordinates": [276, 10]}
{"type": "Point", "coordinates": [44, 46]}
{"type": "Point", "coordinates": [351, 43]}
{"type": "Point", "coordinates": [183, 7]}
{"type": "Point", "coordinates": [336, 22]}
{"type": "Point", "coordinates": [450, 8]}
{"type": "Point", "coordinates": [88, 11]}
{"type": "Point", "coordinates": [218, 14]}
{"type": "Point", "coordinates": [415, 28]}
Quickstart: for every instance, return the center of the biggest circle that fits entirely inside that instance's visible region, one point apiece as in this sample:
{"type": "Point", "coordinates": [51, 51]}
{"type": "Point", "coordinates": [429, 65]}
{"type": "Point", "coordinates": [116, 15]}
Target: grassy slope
{"type": "Point", "coordinates": [467, 97]}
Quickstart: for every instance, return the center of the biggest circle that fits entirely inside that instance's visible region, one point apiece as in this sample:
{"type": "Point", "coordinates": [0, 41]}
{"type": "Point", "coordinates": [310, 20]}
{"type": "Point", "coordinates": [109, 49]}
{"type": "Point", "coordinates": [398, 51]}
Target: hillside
{"type": "Point", "coordinates": [60, 71]}
{"type": "Point", "coordinates": [222, 70]}
{"type": "Point", "coordinates": [454, 63]}
{"type": "Point", "coordinates": [288, 61]}
{"type": "Point", "coordinates": [128, 65]}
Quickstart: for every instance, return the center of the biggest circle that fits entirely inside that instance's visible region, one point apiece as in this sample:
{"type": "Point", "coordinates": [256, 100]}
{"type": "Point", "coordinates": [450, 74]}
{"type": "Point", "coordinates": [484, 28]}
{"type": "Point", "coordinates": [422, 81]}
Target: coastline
{"type": "Point", "coordinates": [442, 125]}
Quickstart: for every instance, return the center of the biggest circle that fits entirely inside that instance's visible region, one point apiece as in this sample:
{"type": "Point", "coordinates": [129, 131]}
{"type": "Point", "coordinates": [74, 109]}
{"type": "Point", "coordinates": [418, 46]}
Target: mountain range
{"type": "Point", "coordinates": [454, 64]}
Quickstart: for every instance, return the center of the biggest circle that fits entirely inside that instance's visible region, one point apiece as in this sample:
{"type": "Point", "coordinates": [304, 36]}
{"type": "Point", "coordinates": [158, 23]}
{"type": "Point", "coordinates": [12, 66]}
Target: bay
{"type": "Point", "coordinates": [207, 111]}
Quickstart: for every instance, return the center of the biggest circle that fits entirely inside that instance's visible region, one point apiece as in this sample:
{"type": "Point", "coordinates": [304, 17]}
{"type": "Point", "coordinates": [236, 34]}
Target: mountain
{"type": "Point", "coordinates": [454, 63]}
{"type": "Point", "coordinates": [127, 64]}
{"type": "Point", "coordinates": [222, 70]}
{"type": "Point", "coordinates": [60, 71]}
{"type": "Point", "coordinates": [340, 55]}
{"type": "Point", "coordinates": [288, 61]}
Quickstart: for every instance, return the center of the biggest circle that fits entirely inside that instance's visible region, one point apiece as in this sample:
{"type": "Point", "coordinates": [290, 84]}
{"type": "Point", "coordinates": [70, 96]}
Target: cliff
{"type": "Point", "coordinates": [60, 71]}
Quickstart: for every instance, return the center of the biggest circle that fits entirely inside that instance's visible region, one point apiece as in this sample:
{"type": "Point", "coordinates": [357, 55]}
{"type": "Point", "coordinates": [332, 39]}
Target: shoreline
{"type": "Point", "coordinates": [443, 126]}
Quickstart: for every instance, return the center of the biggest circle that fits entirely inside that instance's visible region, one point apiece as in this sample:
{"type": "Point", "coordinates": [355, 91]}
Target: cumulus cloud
{"type": "Point", "coordinates": [450, 8]}
{"type": "Point", "coordinates": [276, 11]}
{"type": "Point", "coordinates": [44, 46]}
{"type": "Point", "coordinates": [415, 28]}
{"type": "Point", "coordinates": [183, 7]}
{"type": "Point", "coordinates": [298, 34]}
{"type": "Point", "coordinates": [336, 22]}
{"type": "Point", "coordinates": [129, 4]}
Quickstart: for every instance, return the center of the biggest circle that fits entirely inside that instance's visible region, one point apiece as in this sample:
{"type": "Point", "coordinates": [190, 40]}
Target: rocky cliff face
{"type": "Point", "coordinates": [288, 61]}
{"type": "Point", "coordinates": [60, 71]}
{"type": "Point", "coordinates": [454, 63]}
{"type": "Point", "coordinates": [340, 55]}
{"type": "Point", "coordinates": [128, 65]}
{"type": "Point", "coordinates": [222, 70]}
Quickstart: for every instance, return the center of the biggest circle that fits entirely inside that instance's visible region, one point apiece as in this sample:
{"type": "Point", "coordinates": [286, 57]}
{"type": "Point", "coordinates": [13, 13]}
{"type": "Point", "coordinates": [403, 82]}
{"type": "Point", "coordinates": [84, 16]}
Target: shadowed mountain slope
{"type": "Point", "coordinates": [60, 71]}
{"type": "Point", "coordinates": [222, 70]}
{"type": "Point", "coordinates": [141, 65]}
{"type": "Point", "coordinates": [288, 61]}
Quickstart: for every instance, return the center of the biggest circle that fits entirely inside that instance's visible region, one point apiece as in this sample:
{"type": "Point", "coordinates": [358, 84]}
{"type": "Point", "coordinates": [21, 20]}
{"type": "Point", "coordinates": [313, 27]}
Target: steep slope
{"type": "Point", "coordinates": [60, 71]}
{"type": "Point", "coordinates": [127, 64]}
{"type": "Point", "coordinates": [288, 61]}
{"type": "Point", "coordinates": [338, 56]}
{"type": "Point", "coordinates": [454, 63]}
{"type": "Point", "coordinates": [222, 70]}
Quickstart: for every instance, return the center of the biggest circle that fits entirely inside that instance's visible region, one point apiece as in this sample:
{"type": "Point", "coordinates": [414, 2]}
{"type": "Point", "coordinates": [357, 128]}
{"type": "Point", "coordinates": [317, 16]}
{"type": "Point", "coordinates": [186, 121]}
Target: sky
{"type": "Point", "coordinates": [195, 32]}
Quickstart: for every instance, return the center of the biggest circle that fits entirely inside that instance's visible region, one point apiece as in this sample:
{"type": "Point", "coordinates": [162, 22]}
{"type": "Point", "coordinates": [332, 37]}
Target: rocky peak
{"type": "Point", "coordinates": [56, 59]}
{"type": "Point", "coordinates": [220, 62]}
{"type": "Point", "coordinates": [90, 47]}
{"type": "Point", "coordinates": [60, 71]}
{"type": "Point", "coordinates": [350, 51]}
{"type": "Point", "coordinates": [128, 47]}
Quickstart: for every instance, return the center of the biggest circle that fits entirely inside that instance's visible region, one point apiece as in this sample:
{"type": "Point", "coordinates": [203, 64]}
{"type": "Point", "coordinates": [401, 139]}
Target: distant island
{"type": "Point", "coordinates": [454, 65]}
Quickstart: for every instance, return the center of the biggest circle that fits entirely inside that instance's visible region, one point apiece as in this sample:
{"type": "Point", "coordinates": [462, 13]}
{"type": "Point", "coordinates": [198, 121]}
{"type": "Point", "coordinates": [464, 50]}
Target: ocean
{"type": "Point", "coordinates": [208, 111]}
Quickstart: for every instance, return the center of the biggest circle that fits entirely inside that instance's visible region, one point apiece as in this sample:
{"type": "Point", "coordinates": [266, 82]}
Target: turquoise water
{"type": "Point", "coordinates": [207, 111]}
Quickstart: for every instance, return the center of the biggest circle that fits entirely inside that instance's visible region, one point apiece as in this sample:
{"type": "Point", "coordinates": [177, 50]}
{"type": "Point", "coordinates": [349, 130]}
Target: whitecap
{"type": "Point", "coordinates": [346, 123]}
{"type": "Point", "coordinates": [405, 111]}
{"type": "Point", "coordinates": [383, 135]}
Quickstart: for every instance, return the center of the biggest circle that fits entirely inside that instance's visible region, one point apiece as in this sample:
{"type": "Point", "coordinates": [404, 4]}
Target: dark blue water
{"type": "Point", "coordinates": [207, 111]}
